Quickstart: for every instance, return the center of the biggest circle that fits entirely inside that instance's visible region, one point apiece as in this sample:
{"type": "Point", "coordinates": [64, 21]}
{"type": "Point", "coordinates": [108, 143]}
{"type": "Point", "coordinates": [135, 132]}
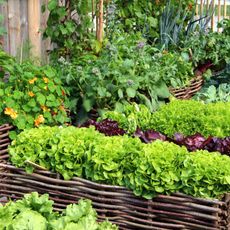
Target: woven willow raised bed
{"type": "Point", "coordinates": [4, 139]}
{"type": "Point", "coordinates": [188, 91]}
{"type": "Point", "coordinates": [116, 203]}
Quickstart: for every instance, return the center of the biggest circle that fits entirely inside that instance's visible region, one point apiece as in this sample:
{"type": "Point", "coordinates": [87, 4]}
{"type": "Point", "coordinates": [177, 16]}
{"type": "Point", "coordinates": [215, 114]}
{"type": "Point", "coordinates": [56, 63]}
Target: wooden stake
{"type": "Point", "coordinates": [101, 22]}
{"type": "Point", "coordinates": [197, 8]}
{"type": "Point", "coordinates": [201, 8]}
{"type": "Point", "coordinates": [225, 9]}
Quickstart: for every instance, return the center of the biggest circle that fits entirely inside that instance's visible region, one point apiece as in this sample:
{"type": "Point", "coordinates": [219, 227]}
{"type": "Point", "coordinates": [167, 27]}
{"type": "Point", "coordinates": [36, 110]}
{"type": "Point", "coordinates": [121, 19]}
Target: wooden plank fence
{"type": "Point", "coordinates": [24, 21]}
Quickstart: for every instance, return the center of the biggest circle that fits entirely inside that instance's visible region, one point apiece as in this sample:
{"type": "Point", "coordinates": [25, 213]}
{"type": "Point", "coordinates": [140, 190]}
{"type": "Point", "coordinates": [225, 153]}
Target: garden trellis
{"type": "Point", "coordinates": [24, 21]}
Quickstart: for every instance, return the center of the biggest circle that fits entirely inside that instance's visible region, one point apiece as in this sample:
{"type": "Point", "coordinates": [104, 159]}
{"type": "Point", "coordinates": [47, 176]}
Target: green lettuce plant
{"type": "Point", "coordinates": [179, 116]}
{"type": "Point", "coordinates": [146, 169]}
{"type": "Point", "coordinates": [36, 212]}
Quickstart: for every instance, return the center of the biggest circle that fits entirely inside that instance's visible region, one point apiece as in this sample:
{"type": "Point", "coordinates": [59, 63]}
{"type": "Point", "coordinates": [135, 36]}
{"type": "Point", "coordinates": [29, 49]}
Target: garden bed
{"type": "Point", "coordinates": [118, 204]}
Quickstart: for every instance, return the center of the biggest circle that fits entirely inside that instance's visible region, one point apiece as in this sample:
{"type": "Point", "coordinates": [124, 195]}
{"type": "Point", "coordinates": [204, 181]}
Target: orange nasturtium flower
{"type": "Point", "coordinates": [33, 80]}
{"type": "Point", "coordinates": [44, 108]}
{"type": "Point", "coordinates": [62, 108]}
{"type": "Point", "coordinates": [190, 6]}
{"type": "Point", "coordinates": [39, 120]}
{"type": "Point", "coordinates": [9, 111]}
{"type": "Point", "coordinates": [31, 94]}
{"type": "Point", "coordinates": [45, 79]}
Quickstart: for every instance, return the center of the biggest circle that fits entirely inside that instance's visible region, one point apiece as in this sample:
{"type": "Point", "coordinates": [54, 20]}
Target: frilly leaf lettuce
{"type": "Point", "coordinates": [179, 116]}
{"type": "Point", "coordinates": [35, 212]}
{"type": "Point", "coordinates": [158, 167]}
{"type": "Point", "coordinates": [28, 219]}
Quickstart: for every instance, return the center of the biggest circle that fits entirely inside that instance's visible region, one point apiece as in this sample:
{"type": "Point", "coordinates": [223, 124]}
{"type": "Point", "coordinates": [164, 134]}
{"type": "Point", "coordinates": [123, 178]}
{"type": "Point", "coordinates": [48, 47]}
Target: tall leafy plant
{"type": "Point", "coordinates": [68, 25]}
{"type": "Point", "coordinates": [178, 22]}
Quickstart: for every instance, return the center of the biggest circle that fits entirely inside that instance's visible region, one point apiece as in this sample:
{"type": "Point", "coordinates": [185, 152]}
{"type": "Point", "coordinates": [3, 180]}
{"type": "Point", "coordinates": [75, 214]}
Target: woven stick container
{"type": "Point", "coordinates": [116, 203]}
{"type": "Point", "coordinates": [188, 91]}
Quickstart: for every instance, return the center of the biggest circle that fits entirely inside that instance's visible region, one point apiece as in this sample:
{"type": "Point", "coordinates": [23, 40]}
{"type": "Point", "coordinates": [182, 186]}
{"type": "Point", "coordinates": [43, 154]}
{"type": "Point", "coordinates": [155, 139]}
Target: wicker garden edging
{"type": "Point", "coordinates": [119, 205]}
{"type": "Point", "coordinates": [188, 91]}
{"type": "Point", "coordinates": [4, 139]}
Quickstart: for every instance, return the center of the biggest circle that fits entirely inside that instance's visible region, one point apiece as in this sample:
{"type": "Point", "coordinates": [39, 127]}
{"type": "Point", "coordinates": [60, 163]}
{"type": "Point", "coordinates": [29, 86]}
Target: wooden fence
{"type": "Point", "coordinates": [24, 21]}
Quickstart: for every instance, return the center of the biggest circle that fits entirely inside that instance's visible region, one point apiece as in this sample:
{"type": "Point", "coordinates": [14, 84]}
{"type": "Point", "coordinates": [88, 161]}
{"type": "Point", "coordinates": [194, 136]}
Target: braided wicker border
{"type": "Point", "coordinates": [4, 138]}
{"type": "Point", "coordinates": [187, 92]}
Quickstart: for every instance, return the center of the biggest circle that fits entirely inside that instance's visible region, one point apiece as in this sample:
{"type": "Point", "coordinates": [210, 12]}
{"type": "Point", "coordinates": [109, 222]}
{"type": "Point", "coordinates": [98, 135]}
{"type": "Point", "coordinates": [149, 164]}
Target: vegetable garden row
{"type": "Point", "coordinates": [105, 121]}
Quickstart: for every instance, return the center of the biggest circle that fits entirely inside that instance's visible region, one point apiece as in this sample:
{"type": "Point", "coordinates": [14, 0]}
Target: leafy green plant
{"type": "Point", "coordinates": [179, 116]}
{"type": "Point", "coordinates": [140, 16]}
{"type": "Point", "coordinates": [178, 22]}
{"type": "Point", "coordinates": [30, 95]}
{"type": "Point", "coordinates": [36, 212]}
{"type": "Point", "coordinates": [189, 117]}
{"type": "Point", "coordinates": [68, 27]}
{"type": "Point", "coordinates": [213, 94]}
{"type": "Point", "coordinates": [146, 169]}
{"type": "Point", "coordinates": [122, 72]}
{"type": "Point", "coordinates": [225, 25]}
{"type": "Point", "coordinates": [127, 69]}
{"type": "Point", "coordinates": [130, 117]}
{"type": "Point", "coordinates": [211, 47]}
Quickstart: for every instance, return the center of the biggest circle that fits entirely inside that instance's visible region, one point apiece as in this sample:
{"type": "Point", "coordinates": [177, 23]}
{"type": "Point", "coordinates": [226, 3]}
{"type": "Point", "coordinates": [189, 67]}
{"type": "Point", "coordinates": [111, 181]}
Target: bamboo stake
{"type": "Point", "coordinates": [97, 20]}
{"type": "Point", "coordinates": [100, 22]}
{"type": "Point", "coordinates": [201, 8]}
{"type": "Point", "coordinates": [107, 17]}
{"type": "Point", "coordinates": [225, 9]}
{"type": "Point", "coordinates": [197, 10]}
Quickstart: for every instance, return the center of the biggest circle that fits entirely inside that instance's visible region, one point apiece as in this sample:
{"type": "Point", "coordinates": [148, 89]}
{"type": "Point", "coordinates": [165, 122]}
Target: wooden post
{"type": "Point", "coordinates": [100, 22]}
{"type": "Point", "coordinates": [34, 11]}
{"type": "Point", "coordinates": [14, 26]}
